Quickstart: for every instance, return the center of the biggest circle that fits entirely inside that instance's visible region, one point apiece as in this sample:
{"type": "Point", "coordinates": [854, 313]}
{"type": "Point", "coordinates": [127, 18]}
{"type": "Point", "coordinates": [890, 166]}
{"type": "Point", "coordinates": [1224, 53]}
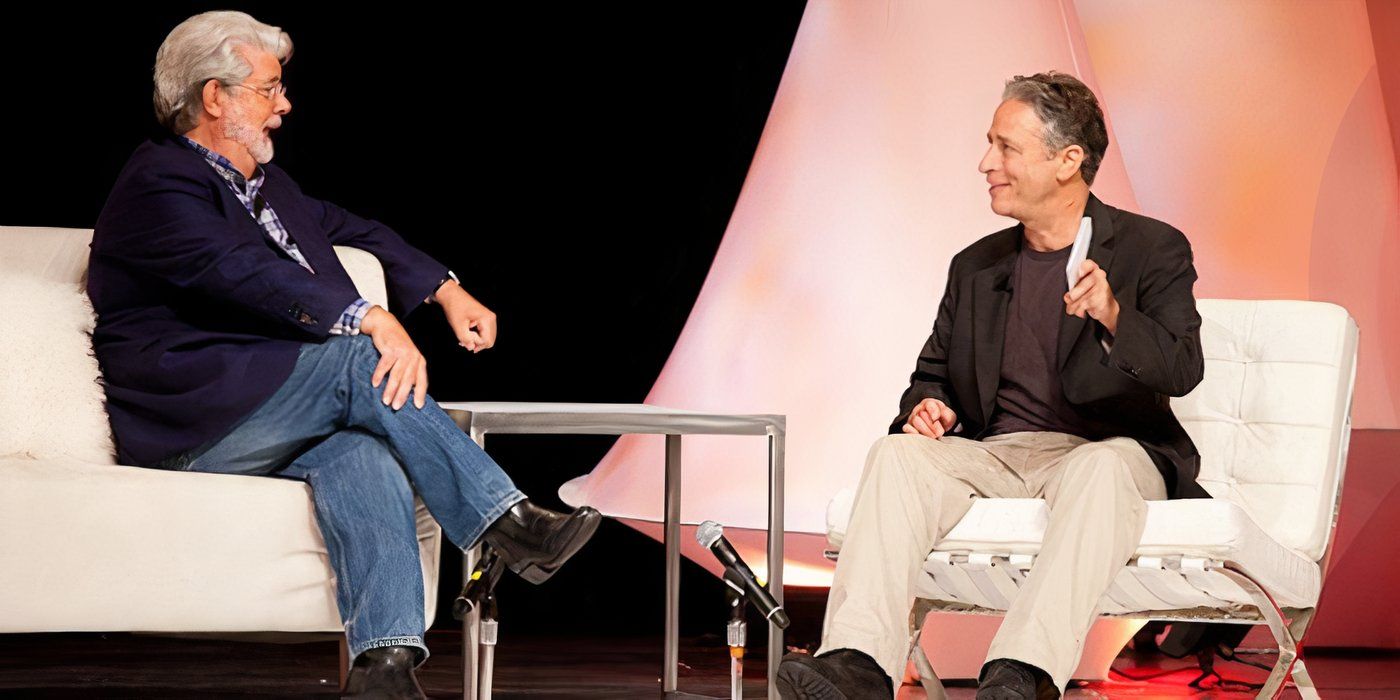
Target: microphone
{"type": "Point", "coordinates": [711, 537]}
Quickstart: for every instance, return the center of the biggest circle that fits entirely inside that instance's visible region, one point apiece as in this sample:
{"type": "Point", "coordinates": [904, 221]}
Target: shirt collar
{"type": "Point", "coordinates": [226, 169]}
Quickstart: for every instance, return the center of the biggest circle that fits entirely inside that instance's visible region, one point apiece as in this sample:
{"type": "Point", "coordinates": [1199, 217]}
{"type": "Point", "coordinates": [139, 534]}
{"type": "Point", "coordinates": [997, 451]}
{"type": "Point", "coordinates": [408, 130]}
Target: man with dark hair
{"type": "Point", "coordinates": [232, 341]}
{"type": "Point", "coordinates": [1043, 377]}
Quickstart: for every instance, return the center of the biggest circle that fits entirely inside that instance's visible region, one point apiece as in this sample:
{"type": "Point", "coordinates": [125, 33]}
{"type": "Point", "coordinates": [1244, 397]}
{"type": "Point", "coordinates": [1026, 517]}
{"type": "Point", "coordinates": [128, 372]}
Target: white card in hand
{"type": "Point", "coordinates": [1080, 252]}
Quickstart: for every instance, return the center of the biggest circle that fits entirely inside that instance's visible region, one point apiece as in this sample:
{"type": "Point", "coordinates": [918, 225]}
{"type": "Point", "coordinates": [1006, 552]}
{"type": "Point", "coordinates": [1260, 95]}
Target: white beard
{"type": "Point", "coordinates": [251, 137]}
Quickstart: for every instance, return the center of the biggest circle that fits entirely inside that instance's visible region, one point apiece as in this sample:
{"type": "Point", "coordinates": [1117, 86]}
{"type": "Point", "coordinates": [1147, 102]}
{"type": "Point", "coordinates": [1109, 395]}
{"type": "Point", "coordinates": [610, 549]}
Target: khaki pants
{"type": "Point", "coordinates": [915, 489]}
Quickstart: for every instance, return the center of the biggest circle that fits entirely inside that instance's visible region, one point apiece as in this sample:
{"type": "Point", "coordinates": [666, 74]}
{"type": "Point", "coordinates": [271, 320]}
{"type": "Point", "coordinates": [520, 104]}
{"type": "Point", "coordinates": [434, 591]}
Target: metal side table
{"type": "Point", "coordinates": [480, 418]}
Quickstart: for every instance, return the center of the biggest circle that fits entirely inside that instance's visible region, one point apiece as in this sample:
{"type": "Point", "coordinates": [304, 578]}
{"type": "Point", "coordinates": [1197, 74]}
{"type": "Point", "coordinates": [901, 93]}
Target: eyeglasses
{"type": "Point", "coordinates": [271, 93]}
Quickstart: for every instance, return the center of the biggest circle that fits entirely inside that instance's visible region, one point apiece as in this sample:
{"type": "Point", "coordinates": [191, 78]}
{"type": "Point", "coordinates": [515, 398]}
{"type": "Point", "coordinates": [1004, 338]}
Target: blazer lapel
{"type": "Point", "coordinates": [1073, 328]}
{"type": "Point", "coordinates": [991, 293]}
{"type": "Point", "coordinates": [301, 230]}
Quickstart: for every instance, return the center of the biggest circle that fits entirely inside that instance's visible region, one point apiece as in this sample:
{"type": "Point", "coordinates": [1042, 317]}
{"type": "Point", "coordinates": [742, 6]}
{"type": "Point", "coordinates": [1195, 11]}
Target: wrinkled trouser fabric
{"type": "Point", "coordinates": [915, 489]}
{"type": "Point", "coordinates": [327, 425]}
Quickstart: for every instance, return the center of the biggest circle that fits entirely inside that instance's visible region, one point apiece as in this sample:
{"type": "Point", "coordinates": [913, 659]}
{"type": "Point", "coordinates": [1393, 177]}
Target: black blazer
{"type": "Point", "coordinates": [1156, 353]}
{"type": "Point", "coordinates": [200, 316]}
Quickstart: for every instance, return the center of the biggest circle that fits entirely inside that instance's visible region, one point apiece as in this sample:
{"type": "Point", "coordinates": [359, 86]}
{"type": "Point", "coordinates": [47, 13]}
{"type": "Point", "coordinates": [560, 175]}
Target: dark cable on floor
{"type": "Point", "coordinates": [1205, 660]}
{"type": "Point", "coordinates": [1145, 677]}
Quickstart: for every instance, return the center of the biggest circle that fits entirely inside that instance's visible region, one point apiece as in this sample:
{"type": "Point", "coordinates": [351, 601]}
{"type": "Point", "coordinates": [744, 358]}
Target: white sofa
{"type": "Point", "coordinates": [1272, 421]}
{"type": "Point", "coordinates": [87, 544]}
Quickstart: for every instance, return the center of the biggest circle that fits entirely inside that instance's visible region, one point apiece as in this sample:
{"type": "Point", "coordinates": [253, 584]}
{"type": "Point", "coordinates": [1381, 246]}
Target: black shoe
{"type": "Point", "coordinates": [535, 541]}
{"type": "Point", "coordinates": [384, 673]}
{"type": "Point", "coordinates": [1009, 679]}
{"type": "Point", "coordinates": [842, 674]}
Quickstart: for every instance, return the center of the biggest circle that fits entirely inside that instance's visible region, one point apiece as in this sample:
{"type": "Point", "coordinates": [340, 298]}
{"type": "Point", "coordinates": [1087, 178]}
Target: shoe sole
{"type": "Point", "coordinates": [797, 682]}
{"type": "Point", "coordinates": [539, 572]}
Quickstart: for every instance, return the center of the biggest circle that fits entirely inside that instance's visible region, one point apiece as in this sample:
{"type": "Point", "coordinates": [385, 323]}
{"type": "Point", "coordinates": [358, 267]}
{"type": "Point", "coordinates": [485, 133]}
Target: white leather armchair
{"type": "Point", "coordinates": [87, 544]}
{"type": "Point", "coordinates": [1272, 421]}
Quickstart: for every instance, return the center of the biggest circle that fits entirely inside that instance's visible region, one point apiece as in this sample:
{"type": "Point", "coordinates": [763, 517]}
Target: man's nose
{"type": "Point", "coordinates": [987, 164]}
{"type": "Point", "coordinates": [283, 105]}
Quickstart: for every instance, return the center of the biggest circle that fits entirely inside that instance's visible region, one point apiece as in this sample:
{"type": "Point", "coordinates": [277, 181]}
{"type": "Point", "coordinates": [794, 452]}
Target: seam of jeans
{"type": "Point", "coordinates": [346, 380]}
{"type": "Point", "coordinates": [341, 567]}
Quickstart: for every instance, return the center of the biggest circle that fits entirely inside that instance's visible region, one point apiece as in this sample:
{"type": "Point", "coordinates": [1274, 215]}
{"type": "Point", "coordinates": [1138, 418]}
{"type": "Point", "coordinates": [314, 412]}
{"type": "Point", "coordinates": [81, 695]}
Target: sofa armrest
{"type": "Point", "coordinates": [366, 272]}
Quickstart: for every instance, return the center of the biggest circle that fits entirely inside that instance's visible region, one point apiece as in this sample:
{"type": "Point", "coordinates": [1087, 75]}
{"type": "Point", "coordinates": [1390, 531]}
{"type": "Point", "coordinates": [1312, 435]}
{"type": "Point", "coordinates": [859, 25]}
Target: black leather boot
{"type": "Point", "coordinates": [841, 674]}
{"type": "Point", "coordinates": [384, 673]}
{"type": "Point", "coordinates": [1009, 679]}
{"type": "Point", "coordinates": [535, 541]}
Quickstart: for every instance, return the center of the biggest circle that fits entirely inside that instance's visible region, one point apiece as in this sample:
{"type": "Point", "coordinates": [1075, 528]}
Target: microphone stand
{"type": "Point", "coordinates": [480, 584]}
{"type": "Point", "coordinates": [736, 633]}
{"type": "Point", "coordinates": [479, 593]}
{"type": "Point", "coordinates": [489, 624]}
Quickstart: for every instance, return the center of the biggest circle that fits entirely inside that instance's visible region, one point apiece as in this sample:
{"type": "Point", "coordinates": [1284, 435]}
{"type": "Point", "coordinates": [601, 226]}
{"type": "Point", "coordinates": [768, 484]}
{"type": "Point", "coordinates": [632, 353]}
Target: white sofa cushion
{"type": "Point", "coordinates": [106, 547]}
{"type": "Point", "coordinates": [55, 405]}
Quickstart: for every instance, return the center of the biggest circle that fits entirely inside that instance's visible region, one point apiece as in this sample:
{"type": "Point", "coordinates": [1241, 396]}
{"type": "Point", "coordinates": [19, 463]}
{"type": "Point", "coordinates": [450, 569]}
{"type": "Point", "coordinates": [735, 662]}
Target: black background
{"type": "Point", "coordinates": [575, 164]}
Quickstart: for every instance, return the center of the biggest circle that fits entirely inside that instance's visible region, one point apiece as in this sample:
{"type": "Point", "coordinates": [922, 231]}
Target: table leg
{"type": "Point", "coordinates": [472, 624]}
{"type": "Point", "coordinates": [671, 660]}
{"type": "Point", "coordinates": [775, 554]}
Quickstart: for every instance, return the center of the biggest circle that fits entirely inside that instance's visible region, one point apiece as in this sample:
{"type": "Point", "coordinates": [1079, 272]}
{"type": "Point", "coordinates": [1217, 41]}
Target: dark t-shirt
{"type": "Point", "coordinates": [1030, 396]}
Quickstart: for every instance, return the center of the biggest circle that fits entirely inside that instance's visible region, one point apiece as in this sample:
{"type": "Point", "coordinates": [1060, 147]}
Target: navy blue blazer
{"type": "Point", "coordinates": [200, 315]}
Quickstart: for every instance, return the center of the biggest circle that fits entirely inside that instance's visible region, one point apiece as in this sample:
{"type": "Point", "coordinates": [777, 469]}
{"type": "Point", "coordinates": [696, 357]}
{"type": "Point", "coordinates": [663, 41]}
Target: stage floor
{"type": "Point", "coordinates": [120, 665]}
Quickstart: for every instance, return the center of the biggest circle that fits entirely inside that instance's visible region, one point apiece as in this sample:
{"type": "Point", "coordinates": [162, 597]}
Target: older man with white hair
{"type": "Point", "coordinates": [232, 341]}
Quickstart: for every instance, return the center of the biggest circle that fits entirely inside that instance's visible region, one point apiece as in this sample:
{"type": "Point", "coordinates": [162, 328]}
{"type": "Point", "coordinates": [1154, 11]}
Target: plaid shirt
{"type": "Point", "coordinates": [247, 192]}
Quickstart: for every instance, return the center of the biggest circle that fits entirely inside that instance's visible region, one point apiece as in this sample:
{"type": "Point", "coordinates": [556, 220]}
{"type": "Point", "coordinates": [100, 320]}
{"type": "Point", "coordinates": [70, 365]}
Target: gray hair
{"type": "Point", "coordinates": [202, 48]}
{"type": "Point", "coordinates": [1069, 111]}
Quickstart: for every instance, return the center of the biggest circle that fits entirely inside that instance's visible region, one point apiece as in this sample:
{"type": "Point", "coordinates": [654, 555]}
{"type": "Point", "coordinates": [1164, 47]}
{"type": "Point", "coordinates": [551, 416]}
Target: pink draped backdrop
{"type": "Point", "coordinates": [1266, 131]}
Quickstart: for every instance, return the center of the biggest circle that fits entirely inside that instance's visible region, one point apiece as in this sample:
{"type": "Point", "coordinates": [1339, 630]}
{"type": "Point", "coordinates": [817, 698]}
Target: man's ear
{"type": "Point", "coordinates": [1071, 158]}
{"type": "Point", "coordinates": [209, 95]}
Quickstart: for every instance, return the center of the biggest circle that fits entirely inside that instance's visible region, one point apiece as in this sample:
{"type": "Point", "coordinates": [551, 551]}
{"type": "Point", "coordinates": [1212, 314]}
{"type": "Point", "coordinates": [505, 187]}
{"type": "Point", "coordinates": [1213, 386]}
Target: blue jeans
{"type": "Point", "coordinates": [328, 426]}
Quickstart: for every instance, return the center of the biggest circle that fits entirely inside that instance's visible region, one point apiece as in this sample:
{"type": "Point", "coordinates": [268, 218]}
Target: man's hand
{"type": "Point", "coordinates": [474, 324]}
{"type": "Point", "coordinates": [931, 418]}
{"type": "Point", "coordinates": [1093, 296]}
{"type": "Point", "coordinates": [399, 357]}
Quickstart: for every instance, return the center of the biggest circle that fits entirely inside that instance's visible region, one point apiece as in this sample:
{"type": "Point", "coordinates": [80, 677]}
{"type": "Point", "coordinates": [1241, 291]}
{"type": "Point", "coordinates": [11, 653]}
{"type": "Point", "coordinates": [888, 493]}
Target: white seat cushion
{"type": "Point", "coordinates": [107, 547]}
{"type": "Point", "coordinates": [1208, 528]}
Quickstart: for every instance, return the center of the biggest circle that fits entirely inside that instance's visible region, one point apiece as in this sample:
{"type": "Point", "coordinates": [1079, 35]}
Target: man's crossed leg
{"type": "Point", "coordinates": [328, 425]}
